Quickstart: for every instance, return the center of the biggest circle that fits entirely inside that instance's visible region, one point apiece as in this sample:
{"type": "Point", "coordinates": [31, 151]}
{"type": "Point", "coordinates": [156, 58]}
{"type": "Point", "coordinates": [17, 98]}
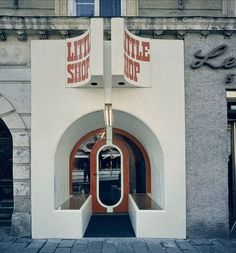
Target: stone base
{"type": "Point", "coordinates": [201, 230]}
{"type": "Point", "coordinates": [21, 224]}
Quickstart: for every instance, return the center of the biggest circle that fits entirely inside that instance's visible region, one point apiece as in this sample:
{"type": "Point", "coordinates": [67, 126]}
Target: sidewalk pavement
{"type": "Point", "coordinates": [9, 244]}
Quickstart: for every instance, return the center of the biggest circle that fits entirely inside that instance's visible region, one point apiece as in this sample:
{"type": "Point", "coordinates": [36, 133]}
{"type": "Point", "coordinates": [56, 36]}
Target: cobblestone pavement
{"type": "Point", "coordinates": [9, 244]}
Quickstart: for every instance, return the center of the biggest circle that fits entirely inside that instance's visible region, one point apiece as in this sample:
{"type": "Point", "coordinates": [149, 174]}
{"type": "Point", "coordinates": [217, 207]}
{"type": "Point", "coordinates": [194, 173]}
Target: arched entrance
{"type": "Point", "coordinates": [6, 179]}
{"type": "Point", "coordinates": [89, 169]}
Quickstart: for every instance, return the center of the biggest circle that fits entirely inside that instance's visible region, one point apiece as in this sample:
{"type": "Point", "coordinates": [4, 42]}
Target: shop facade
{"type": "Point", "coordinates": [178, 130]}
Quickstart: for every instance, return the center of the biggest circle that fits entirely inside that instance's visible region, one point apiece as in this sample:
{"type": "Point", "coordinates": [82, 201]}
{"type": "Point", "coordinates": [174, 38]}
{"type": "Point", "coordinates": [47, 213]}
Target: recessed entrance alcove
{"type": "Point", "coordinates": [124, 124]}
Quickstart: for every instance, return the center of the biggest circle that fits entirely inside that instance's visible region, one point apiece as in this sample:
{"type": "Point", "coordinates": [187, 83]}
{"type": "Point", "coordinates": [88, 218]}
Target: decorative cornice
{"type": "Point", "coordinates": [22, 36]}
{"type": "Point", "coordinates": [2, 36]}
{"type": "Point", "coordinates": [132, 23]}
{"type": "Point", "coordinates": [152, 26]}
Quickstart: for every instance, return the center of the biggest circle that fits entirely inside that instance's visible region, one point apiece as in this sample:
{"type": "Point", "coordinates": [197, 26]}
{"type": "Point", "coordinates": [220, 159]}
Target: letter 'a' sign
{"type": "Point", "coordinates": [130, 61]}
{"type": "Point", "coordinates": [84, 57]}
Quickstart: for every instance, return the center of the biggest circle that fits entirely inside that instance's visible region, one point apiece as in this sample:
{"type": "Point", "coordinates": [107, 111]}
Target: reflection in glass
{"type": "Point", "coordinates": [81, 166]}
{"type": "Point", "coordinates": [109, 175]}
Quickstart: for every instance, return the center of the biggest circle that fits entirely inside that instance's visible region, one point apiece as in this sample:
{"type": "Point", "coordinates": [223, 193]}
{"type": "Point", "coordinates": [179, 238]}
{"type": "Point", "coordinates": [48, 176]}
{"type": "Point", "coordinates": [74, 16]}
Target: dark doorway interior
{"type": "Point", "coordinates": [110, 225]}
{"type": "Point", "coordinates": [6, 181]}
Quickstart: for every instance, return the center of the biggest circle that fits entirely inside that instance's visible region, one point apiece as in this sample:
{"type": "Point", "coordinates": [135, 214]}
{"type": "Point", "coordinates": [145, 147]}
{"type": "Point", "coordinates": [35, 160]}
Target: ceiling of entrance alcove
{"type": "Point", "coordinates": [121, 120]}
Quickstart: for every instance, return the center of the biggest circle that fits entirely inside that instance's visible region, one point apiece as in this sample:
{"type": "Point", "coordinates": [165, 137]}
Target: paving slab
{"type": "Point", "coordinates": [37, 244]}
{"type": "Point", "coordinates": [30, 250]}
{"type": "Point", "coordinates": [206, 249]}
{"type": "Point", "coordinates": [63, 250]}
{"type": "Point", "coordinates": [80, 247]}
{"type": "Point", "coordinates": [109, 248]}
{"type": "Point", "coordinates": [219, 248]}
{"type": "Point", "coordinates": [228, 243]}
{"type": "Point", "coordinates": [9, 239]}
{"type": "Point", "coordinates": [4, 245]}
{"type": "Point", "coordinates": [173, 250]}
{"type": "Point", "coordinates": [95, 244]}
{"type": "Point", "coordinates": [49, 247]}
{"type": "Point", "coordinates": [184, 244]}
{"type": "Point", "coordinates": [124, 249]}
{"type": "Point", "coordinates": [81, 241]}
{"type": "Point", "coordinates": [141, 250]}
{"type": "Point", "coordinates": [168, 244]}
{"type": "Point", "coordinates": [155, 247]}
{"type": "Point", "coordinates": [94, 250]}
{"type": "Point", "coordinates": [22, 239]}
{"type": "Point", "coordinates": [66, 243]}
{"type": "Point", "coordinates": [201, 241]}
{"type": "Point", "coordinates": [16, 248]}
{"type": "Point", "coordinates": [139, 244]}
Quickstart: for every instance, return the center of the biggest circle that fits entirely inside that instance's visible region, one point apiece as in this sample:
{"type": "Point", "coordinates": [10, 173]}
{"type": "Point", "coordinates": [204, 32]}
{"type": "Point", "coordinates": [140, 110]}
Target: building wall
{"type": "Point", "coordinates": [206, 138]}
{"type": "Point", "coordinates": [15, 90]}
{"type": "Point", "coordinates": [154, 8]}
{"type": "Point", "coordinates": [27, 8]}
{"type": "Point", "coordinates": [180, 8]}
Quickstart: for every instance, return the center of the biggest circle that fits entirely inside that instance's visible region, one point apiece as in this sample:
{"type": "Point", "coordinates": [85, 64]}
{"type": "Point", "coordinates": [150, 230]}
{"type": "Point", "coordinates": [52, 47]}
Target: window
{"type": "Point", "coordinates": [110, 8]}
{"type": "Point", "coordinates": [85, 8]}
{"type": "Point", "coordinates": [89, 8]}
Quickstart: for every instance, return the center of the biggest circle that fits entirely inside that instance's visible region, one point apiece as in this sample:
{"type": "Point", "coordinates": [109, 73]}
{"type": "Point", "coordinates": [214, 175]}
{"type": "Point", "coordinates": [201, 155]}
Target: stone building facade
{"type": "Point", "coordinates": [202, 25]}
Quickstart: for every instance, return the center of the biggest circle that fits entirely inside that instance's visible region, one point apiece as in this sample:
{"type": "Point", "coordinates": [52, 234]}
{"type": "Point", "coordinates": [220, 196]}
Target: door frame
{"type": "Point", "coordinates": [122, 206]}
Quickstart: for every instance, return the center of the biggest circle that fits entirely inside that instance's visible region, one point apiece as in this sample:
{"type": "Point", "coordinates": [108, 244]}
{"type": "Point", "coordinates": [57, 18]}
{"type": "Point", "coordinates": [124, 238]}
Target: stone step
{"type": "Point", "coordinates": [6, 203]}
{"type": "Point", "coordinates": [5, 216]}
{"type": "Point", "coordinates": [6, 209]}
{"type": "Point", "coordinates": [5, 223]}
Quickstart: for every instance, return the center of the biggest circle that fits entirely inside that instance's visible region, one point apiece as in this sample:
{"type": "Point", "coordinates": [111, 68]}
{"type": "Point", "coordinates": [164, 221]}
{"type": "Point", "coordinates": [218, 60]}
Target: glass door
{"type": "Point", "coordinates": [109, 177]}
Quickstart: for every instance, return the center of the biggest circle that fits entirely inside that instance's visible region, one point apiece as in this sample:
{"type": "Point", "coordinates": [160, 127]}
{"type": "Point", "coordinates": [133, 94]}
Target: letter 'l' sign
{"type": "Point", "coordinates": [201, 60]}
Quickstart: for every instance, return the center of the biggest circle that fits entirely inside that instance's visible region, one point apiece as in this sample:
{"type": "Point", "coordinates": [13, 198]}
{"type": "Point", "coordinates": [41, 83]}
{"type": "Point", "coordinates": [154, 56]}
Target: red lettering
{"type": "Point", "coordinates": [136, 70]}
{"type": "Point", "coordinates": [146, 55]}
{"type": "Point", "coordinates": [70, 56]}
{"type": "Point", "coordinates": [138, 53]}
{"type": "Point", "coordinates": [87, 67]}
{"type": "Point", "coordinates": [79, 44]}
{"type": "Point", "coordinates": [75, 51]}
{"type": "Point", "coordinates": [131, 68]}
{"type": "Point", "coordinates": [132, 42]}
{"type": "Point", "coordinates": [69, 70]}
{"type": "Point", "coordinates": [77, 67]}
{"type": "Point", "coordinates": [78, 71]}
{"type": "Point", "coordinates": [138, 50]}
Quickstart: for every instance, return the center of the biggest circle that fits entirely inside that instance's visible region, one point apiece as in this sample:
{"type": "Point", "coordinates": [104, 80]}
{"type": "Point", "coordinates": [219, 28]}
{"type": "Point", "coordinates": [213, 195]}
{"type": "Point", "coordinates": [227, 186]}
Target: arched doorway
{"type": "Point", "coordinates": [6, 179]}
{"type": "Point", "coordinates": [83, 170]}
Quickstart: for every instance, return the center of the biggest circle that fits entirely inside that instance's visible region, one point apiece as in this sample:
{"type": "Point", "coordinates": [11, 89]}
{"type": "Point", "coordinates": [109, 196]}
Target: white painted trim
{"type": "Point", "coordinates": [110, 208]}
{"type": "Point", "coordinates": [97, 8]}
{"type": "Point", "coordinates": [71, 8]}
{"type": "Point", "coordinates": [123, 7]}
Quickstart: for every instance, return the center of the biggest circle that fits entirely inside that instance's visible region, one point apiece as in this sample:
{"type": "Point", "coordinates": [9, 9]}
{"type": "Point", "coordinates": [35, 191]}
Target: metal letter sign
{"type": "Point", "coordinates": [228, 63]}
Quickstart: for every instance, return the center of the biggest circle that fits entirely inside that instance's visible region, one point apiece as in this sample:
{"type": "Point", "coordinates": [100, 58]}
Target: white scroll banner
{"type": "Point", "coordinates": [84, 57]}
{"type": "Point", "coordinates": [130, 57]}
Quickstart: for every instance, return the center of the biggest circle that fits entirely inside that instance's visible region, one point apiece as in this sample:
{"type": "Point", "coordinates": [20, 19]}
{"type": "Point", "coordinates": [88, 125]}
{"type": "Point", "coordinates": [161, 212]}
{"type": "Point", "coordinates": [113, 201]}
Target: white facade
{"type": "Point", "coordinates": [61, 116]}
